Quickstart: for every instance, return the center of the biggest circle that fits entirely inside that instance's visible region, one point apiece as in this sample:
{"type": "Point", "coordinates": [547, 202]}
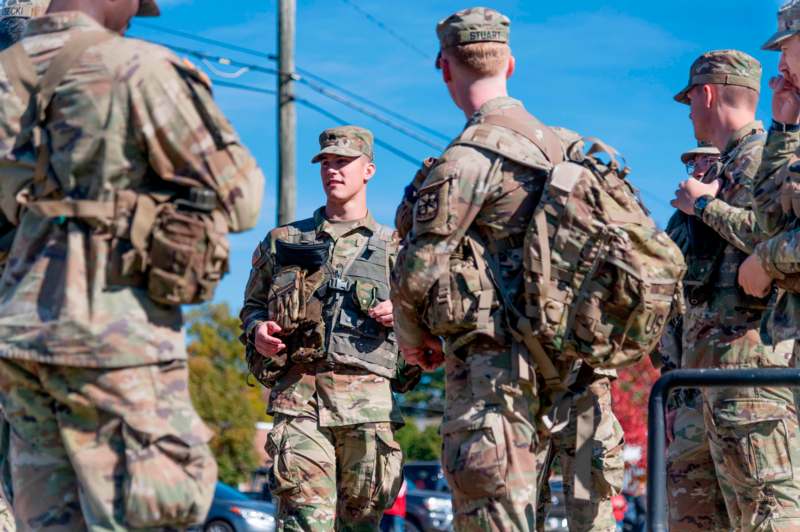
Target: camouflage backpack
{"type": "Point", "coordinates": [600, 278]}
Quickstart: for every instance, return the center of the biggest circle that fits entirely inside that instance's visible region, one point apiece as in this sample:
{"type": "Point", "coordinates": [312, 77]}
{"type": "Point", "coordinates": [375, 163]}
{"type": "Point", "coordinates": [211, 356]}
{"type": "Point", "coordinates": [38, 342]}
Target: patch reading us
{"type": "Point", "coordinates": [428, 205]}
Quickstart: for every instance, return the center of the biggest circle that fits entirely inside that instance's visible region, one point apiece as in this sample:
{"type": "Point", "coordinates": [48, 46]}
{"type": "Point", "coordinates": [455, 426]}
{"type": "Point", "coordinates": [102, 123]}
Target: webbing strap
{"type": "Point", "coordinates": [543, 362]}
{"type": "Point", "coordinates": [61, 63]}
{"type": "Point", "coordinates": [20, 72]}
{"type": "Point", "coordinates": [69, 208]}
{"type": "Point", "coordinates": [520, 121]}
{"type": "Point", "coordinates": [584, 411]}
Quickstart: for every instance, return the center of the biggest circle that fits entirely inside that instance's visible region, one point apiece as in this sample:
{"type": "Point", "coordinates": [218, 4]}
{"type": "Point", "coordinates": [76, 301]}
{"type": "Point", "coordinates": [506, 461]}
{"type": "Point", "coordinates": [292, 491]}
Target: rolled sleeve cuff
{"type": "Point", "coordinates": [407, 326]}
{"type": "Point", "coordinates": [764, 252]}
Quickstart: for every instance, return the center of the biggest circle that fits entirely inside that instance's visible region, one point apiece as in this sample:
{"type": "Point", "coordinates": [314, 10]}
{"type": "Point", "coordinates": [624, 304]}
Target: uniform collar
{"type": "Point", "coordinates": [752, 128]}
{"type": "Point", "coordinates": [494, 104]}
{"type": "Point", "coordinates": [337, 230]}
{"type": "Point", "coordinates": [61, 21]}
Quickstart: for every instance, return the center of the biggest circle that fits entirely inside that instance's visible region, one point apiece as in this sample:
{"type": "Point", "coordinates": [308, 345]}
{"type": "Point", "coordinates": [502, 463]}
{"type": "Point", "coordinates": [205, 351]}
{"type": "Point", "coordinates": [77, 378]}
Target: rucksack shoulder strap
{"type": "Point", "coordinates": [61, 63]}
{"type": "Point", "coordinates": [520, 121]}
{"type": "Point", "coordinates": [20, 72]}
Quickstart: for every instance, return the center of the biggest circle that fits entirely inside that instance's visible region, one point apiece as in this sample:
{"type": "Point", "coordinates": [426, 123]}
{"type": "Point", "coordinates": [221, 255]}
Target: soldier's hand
{"type": "Point", "coordinates": [785, 101]}
{"type": "Point", "coordinates": [690, 191]}
{"type": "Point", "coordinates": [428, 356]}
{"type": "Point", "coordinates": [267, 344]}
{"type": "Point", "coordinates": [383, 313]}
{"type": "Point", "coordinates": [753, 278]}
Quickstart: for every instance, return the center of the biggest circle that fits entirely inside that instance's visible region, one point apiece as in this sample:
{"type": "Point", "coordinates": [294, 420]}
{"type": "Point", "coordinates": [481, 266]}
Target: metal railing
{"type": "Point", "coordinates": [656, 435]}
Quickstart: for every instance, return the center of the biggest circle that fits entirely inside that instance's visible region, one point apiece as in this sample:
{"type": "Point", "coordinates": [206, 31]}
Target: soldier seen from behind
{"type": "Point", "coordinates": [123, 179]}
{"type": "Point", "coordinates": [318, 324]}
{"type": "Point", "coordinates": [752, 432]}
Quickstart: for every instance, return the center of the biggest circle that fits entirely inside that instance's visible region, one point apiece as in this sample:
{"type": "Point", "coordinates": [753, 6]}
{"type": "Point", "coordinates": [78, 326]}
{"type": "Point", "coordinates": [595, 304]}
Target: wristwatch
{"type": "Point", "coordinates": [700, 205]}
{"type": "Point", "coordinates": [780, 127]}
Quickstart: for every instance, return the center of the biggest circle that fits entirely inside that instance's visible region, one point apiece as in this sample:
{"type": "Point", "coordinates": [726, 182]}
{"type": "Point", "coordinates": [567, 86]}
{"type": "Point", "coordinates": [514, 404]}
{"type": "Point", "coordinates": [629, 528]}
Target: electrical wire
{"type": "Point", "coordinates": [387, 29]}
{"type": "Point", "coordinates": [243, 67]}
{"type": "Point", "coordinates": [303, 72]}
{"type": "Point", "coordinates": [314, 107]}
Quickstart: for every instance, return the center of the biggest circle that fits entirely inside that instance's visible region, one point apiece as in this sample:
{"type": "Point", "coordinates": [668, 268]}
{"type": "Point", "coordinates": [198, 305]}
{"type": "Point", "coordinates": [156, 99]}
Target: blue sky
{"type": "Point", "coordinates": [607, 69]}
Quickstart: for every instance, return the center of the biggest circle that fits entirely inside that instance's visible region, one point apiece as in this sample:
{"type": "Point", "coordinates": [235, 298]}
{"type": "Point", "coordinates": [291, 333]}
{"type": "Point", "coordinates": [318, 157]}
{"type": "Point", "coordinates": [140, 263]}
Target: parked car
{"type": "Point", "coordinates": [555, 511]}
{"type": "Point", "coordinates": [428, 510]}
{"type": "Point", "coordinates": [233, 511]}
{"type": "Point", "coordinates": [426, 475]}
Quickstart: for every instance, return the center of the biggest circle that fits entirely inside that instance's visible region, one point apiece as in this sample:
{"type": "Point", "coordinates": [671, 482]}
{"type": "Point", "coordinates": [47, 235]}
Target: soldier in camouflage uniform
{"type": "Point", "coordinates": [318, 322]}
{"type": "Point", "coordinates": [489, 431]}
{"type": "Point", "coordinates": [588, 389]}
{"type": "Point", "coordinates": [14, 15]}
{"type": "Point", "coordinates": [752, 432]}
{"type": "Point", "coordinates": [93, 374]}
{"type": "Point", "coordinates": [694, 498]}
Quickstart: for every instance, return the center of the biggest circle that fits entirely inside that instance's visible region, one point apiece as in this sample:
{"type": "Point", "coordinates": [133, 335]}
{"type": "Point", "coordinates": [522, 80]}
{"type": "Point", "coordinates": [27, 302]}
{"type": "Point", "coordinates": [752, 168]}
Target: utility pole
{"type": "Point", "coordinates": [287, 114]}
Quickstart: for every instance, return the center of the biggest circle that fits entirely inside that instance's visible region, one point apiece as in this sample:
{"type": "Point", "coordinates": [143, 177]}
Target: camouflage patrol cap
{"type": "Point", "coordinates": [788, 25]}
{"type": "Point", "coordinates": [348, 141]}
{"type": "Point", "coordinates": [723, 67]}
{"type": "Point", "coordinates": [703, 148]}
{"type": "Point", "coordinates": [148, 8]}
{"type": "Point", "coordinates": [24, 8]}
{"type": "Point", "coordinates": [476, 24]}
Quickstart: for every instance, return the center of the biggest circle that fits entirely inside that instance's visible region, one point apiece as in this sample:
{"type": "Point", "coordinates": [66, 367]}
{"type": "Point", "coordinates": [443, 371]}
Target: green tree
{"type": "Point", "coordinates": [419, 445]}
{"type": "Point", "coordinates": [219, 389]}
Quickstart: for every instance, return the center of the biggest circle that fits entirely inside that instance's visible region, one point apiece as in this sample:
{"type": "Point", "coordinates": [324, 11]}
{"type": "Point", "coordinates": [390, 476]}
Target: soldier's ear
{"type": "Point", "coordinates": [710, 95]}
{"type": "Point", "coordinates": [512, 65]}
{"type": "Point", "coordinates": [369, 171]}
{"type": "Point", "coordinates": [447, 74]}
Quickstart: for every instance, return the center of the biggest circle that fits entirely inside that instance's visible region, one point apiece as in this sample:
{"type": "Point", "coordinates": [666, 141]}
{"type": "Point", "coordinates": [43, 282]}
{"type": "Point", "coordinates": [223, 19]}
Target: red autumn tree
{"type": "Point", "coordinates": [630, 394]}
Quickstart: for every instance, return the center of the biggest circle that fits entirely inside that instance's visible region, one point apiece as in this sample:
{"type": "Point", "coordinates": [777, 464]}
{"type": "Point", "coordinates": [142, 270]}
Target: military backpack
{"type": "Point", "coordinates": [600, 279]}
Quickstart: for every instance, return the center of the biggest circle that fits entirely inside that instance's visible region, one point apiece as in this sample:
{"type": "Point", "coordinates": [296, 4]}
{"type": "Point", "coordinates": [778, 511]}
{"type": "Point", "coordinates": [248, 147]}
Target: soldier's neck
{"type": "Point", "coordinates": [480, 91]}
{"type": "Point", "coordinates": [729, 125]}
{"type": "Point", "coordinates": [347, 211]}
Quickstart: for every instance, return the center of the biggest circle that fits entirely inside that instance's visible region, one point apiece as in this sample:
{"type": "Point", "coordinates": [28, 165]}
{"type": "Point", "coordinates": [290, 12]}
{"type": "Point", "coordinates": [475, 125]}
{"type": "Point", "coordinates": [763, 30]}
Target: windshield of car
{"type": "Point", "coordinates": [223, 491]}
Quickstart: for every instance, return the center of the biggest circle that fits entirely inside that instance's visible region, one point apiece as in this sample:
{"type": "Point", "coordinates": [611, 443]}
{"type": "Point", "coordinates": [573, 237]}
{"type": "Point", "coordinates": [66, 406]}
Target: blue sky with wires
{"type": "Point", "coordinates": [603, 68]}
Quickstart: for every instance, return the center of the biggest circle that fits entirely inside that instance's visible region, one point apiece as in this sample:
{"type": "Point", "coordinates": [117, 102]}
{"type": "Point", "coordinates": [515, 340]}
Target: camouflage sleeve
{"type": "Point", "coordinates": [447, 203]}
{"type": "Point", "coordinates": [11, 112]}
{"type": "Point", "coordinates": [254, 310]}
{"type": "Point", "coordinates": [189, 141]}
{"type": "Point", "coordinates": [780, 255]}
{"type": "Point", "coordinates": [737, 225]}
{"type": "Point", "coordinates": [731, 215]}
{"type": "Point", "coordinates": [778, 153]}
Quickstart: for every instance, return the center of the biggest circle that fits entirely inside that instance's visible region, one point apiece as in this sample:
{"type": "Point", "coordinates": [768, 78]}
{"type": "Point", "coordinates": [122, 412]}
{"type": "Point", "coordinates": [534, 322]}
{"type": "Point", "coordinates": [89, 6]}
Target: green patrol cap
{"type": "Point", "coordinates": [476, 24]}
{"type": "Point", "coordinates": [723, 67]}
{"type": "Point", "coordinates": [788, 25]}
{"type": "Point", "coordinates": [703, 148]}
{"type": "Point", "coordinates": [24, 8]}
{"type": "Point", "coordinates": [348, 141]}
{"type": "Point", "coordinates": [148, 8]}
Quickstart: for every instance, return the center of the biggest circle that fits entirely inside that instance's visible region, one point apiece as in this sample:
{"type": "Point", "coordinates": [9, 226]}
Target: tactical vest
{"type": "Point", "coordinates": [350, 336]}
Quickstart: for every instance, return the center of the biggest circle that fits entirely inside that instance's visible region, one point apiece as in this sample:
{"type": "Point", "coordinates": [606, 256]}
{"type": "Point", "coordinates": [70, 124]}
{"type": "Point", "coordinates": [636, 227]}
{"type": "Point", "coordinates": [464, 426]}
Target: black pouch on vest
{"type": "Point", "coordinates": [310, 257]}
{"type": "Point", "coordinates": [706, 249]}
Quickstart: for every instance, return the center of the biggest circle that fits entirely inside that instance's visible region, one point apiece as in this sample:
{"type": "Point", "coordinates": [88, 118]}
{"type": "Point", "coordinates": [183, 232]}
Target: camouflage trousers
{"type": "Point", "coordinates": [754, 438]}
{"type": "Point", "coordinates": [332, 478]}
{"type": "Point", "coordinates": [105, 449]}
{"type": "Point", "coordinates": [489, 440]}
{"type": "Point", "coordinates": [594, 511]}
{"type": "Point", "coordinates": [7, 523]}
{"type": "Point", "coordinates": [693, 493]}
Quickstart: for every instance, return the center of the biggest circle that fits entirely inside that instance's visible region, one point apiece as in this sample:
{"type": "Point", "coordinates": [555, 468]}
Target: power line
{"type": "Point", "coordinates": [244, 67]}
{"type": "Point", "coordinates": [314, 107]}
{"type": "Point", "coordinates": [387, 29]}
{"type": "Point", "coordinates": [301, 71]}
{"type": "Point", "coordinates": [206, 40]}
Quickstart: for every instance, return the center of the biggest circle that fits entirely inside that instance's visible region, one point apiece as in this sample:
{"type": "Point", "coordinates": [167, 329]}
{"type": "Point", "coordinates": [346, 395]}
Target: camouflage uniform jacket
{"type": "Point", "coordinates": [779, 254]}
{"type": "Point", "coordinates": [342, 395]}
{"type": "Point", "coordinates": [468, 188]}
{"type": "Point", "coordinates": [128, 115]}
{"type": "Point", "coordinates": [724, 331]}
